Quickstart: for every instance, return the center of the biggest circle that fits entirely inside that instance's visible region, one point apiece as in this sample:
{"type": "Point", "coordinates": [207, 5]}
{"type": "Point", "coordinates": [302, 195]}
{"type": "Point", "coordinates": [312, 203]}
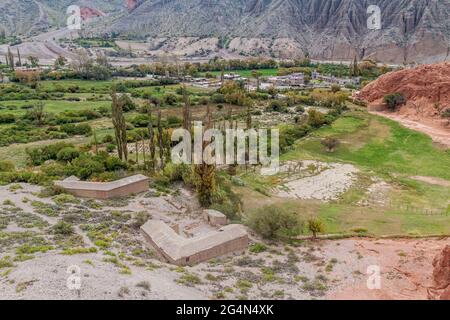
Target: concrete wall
{"type": "Point", "coordinates": [232, 246]}
{"type": "Point", "coordinates": [123, 191]}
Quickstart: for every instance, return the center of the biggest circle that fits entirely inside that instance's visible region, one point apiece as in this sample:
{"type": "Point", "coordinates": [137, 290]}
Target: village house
{"type": "Point", "coordinates": [354, 81]}
{"type": "Point", "coordinates": [289, 81]}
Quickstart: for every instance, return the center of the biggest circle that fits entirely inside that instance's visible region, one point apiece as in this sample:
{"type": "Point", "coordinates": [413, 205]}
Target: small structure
{"type": "Point", "coordinates": [105, 190]}
{"type": "Point", "coordinates": [215, 218]}
{"type": "Point", "coordinates": [183, 251]}
{"type": "Point", "coordinates": [290, 80]}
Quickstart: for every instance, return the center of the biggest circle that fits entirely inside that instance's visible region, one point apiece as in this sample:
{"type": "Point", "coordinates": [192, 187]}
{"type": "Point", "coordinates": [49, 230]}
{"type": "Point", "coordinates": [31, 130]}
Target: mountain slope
{"type": "Point", "coordinates": [324, 28]}
{"type": "Point", "coordinates": [412, 30]}
{"type": "Point", "coordinates": [25, 17]}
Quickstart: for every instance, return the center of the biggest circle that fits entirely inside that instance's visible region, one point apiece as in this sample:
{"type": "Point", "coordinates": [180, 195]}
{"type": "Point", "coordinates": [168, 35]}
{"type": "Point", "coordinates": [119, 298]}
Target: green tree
{"type": "Point", "coordinates": [315, 225]}
{"type": "Point", "coordinates": [120, 126]}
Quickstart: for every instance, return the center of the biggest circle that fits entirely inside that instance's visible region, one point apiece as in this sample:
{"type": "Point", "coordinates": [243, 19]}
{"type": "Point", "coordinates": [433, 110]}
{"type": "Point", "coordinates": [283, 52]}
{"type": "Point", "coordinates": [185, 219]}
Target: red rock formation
{"type": "Point", "coordinates": [441, 273]}
{"type": "Point", "coordinates": [131, 4]}
{"type": "Point", "coordinates": [88, 13]}
{"type": "Point", "coordinates": [423, 87]}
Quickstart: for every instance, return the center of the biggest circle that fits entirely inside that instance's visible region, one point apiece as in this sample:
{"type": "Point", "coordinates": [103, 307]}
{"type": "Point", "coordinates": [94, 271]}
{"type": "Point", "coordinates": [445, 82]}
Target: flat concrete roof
{"type": "Point", "coordinates": [100, 186]}
{"type": "Point", "coordinates": [214, 213]}
{"type": "Point", "coordinates": [177, 247]}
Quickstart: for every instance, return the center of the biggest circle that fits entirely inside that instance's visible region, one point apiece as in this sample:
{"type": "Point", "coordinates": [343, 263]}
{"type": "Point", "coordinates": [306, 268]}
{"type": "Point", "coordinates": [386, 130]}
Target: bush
{"type": "Point", "coordinates": [7, 118]}
{"type": "Point", "coordinates": [85, 166]}
{"type": "Point", "coordinates": [39, 155]}
{"type": "Point", "coordinates": [272, 222]}
{"type": "Point", "coordinates": [257, 248]}
{"type": "Point", "coordinates": [316, 119]}
{"type": "Point", "coordinates": [6, 166]}
{"type": "Point", "coordinates": [315, 225]}
{"type": "Point", "coordinates": [110, 147]}
{"type": "Point", "coordinates": [114, 164]}
{"type": "Point", "coordinates": [300, 109]}
{"type": "Point", "coordinates": [63, 228]}
{"type": "Point", "coordinates": [80, 129]}
{"type": "Point", "coordinates": [67, 154]}
{"type": "Point", "coordinates": [218, 98]}
{"type": "Point", "coordinates": [170, 99]}
{"type": "Point", "coordinates": [394, 100]}
{"type": "Point", "coordinates": [276, 106]}
{"type": "Point", "coordinates": [330, 143]}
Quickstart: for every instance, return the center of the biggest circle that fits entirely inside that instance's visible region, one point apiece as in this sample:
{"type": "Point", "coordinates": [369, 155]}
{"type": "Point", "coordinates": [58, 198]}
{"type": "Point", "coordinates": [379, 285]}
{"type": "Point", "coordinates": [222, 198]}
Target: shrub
{"type": "Point", "coordinates": [315, 225]}
{"type": "Point", "coordinates": [63, 228]}
{"type": "Point", "coordinates": [299, 109]}
{"type": "Point", "coordinates": [110, 147]}
{"type": "Point", "coordinates": [257, 248]}
{"type": "Point", "coordinates": [335, 88]}
{"type": "Point", "coordinates": [394, 100]}
{"type": "Point", "coordinates": [67, 154]}
{"type": "Point", "coordinates": [170, 99]}
{"type": "Point", "coordinates": [273, 222]}
{"type": "Point", "coordinates": [316, 119]}
{"type": "Point", "coordinates": [330, 143]}
{"type": "Point", "coordinates": [114, 164]}
{"type": "Point", "coordinates": [39, 155]}
{"type": "Point", "coordinates": [276, 106]}
{"type": "Point", "coordinates": [85, 166]}
{"type": "Point", "coordinates": [7, 118]}
{"type": "Point", "coordinates": [6, 166]}
{"type": "Point", "coordinates": [218, 98]}
{"type": "Point", "coordinates": [80, 129]}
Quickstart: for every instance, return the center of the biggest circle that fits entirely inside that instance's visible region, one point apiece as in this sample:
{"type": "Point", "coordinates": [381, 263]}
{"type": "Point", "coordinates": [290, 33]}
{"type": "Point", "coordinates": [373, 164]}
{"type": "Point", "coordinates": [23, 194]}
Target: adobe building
{"type": "Point", "coordinates": [215, 218]}
{"type": "Point", "coordinates": [182, 251]}
{"type": "Point", "coordinates": [105, 190]}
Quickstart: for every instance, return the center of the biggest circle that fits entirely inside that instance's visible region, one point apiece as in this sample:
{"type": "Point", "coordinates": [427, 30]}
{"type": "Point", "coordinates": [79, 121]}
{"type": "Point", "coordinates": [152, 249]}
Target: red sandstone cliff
{"type": "Point", "coordinates": [441, 273]}
{"type": "Point", "coordinates": [426, 88]}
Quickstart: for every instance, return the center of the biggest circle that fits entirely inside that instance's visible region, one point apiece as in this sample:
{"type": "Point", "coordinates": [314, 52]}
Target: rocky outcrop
{"type": "Point", "coordinates": [426, 89]}
{"type": "Point", "coordinates": [88, 13]}
{"type": "Point", "coordinates": [441, 273]}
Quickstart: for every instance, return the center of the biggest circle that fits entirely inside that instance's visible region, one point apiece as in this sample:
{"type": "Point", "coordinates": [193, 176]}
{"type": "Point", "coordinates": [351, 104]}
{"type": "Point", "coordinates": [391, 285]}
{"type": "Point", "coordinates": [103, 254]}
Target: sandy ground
{"type": "Point", "coordinates": [432, 180]}
{"type": "Point", "coordinates": [438, 133]}
{"type": "Point", "coordinates": [406, 270]}
{"type": "Point", "coordinates": [127, 269]}
{"type": "Point", "coordinates": [327, 181]}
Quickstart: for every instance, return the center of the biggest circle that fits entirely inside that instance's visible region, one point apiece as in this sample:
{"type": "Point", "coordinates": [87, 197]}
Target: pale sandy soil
{"type": "Point", "coordinates": [327, 182]}
{"type": "Point", "coordinates": [432, 180]}
{"type": "Point", "coordinates": [310, 270]}
{"type": "Point", "coordinates": [406, 269]}
{"type": "Point", "coordinates": [436, 131]}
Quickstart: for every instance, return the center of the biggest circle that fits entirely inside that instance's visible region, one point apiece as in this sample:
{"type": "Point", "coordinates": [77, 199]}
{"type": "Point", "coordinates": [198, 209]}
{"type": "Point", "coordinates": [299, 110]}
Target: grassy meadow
{"type": "Point", "coordinates": [381, 149]}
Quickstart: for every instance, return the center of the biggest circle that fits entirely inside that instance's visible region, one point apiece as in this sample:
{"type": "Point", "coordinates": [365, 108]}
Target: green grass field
{"type": "Point", "coordinates": [380, 148]}
{"type": "Point", "coordinates": [54, 106]}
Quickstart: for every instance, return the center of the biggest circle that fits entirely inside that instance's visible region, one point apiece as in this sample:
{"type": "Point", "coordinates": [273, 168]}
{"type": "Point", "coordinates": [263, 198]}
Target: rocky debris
{"type": "Point", "coordinates": [441, 273]}
{"type": "Point", "coordinates": [426, 88]}
{"type": "Point", "coordinates": [324, 183]}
